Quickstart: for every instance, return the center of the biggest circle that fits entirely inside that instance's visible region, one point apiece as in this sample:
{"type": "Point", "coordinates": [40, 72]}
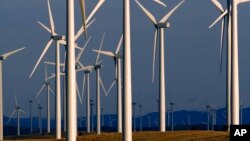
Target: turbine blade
{"type": "Point", "coordinates": [108, 53]}
{"type": "Point", "coordinates": [52, 63]}
{"type": "Point", "coordinates": [150, 16]}
{"type": "Point", "coordinates": [242, 1]}
{"type": "Point", "coordinates": [83, 84]}
{"type": "Point", "coordinates": [119, 45]}
{"type": "Point", "coordinates": [51, 90]}
{"type": "Point", "coordinates": [45, 72]}
{"type": "Point", "coordinates": [111, 86]}
{"type": "Point", "coordinates": [221, 42]}
{"type": "Point", "coordinates": [169, 14]}
{"type": "Point", "coordinates": [11, 116]}
{"type": "Point", "coordinates": [51, 76]}
{"type": "Point", "coordinates": [98, 55]}
{"type": "Point", "coordinates": [15, 98]}
{"type": "Point", "coordinates": [218, 5]}
{"type": "Point", "coordinates": [6, 55]}
{"type": "Point", "coordinates": [21, 110]}
{"type": "Point", "coordinates": [103, 87]}
{"type": "Point", "coordinates": [40, 90]}
{"type": "Point", "coordinates": [219, 18]}
{"type": "Point", "coordinates": [98, 5]}
{"type": "Point", "coordinates": [45, 27]}
{"type": "Point", "coordinates": [82, 50]}
{"type": "Point", "coordinates": [160, 2]}
{"type": "Point", "coordinates": [78, 93]}
{"type": "Point", "coordinates": [40, 58]}
{"type": "Point", "coordinates": [52, 26]}
{"type": "Point", "coordinates": [154, 53]}
{"type": "Point", "coordinates": [82, 6]}
{"type": "Point", "coordinates": [81, 30]}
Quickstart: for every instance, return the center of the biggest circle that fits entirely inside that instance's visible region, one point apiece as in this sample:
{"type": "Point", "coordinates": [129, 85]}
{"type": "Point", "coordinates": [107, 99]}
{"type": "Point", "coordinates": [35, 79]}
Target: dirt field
{"type": "Point", "coordinates": [144, 136]}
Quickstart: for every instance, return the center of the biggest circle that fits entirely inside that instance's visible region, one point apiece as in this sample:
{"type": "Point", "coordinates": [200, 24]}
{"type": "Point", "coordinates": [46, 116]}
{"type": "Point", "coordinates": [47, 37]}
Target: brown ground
{"type": "Point", "coordinates": [143, 136]}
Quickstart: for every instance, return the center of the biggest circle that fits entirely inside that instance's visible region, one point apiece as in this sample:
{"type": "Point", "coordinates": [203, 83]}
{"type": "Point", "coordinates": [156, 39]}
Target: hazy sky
{"type": "Point", "coordinates": [191, 52]}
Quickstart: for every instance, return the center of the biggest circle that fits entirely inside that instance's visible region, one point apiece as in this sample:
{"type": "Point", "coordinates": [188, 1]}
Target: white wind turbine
{"type": "Point", "coordinates": [117, 56]}
{"type": "Point", "coordinates": [71, 74]}
{"type": "Point", "coordinates": [225, 15]}
{"type": "Point", "coordinates": [17, 110]}
{"type": "Point", "coordinates": [97, 67]}
{"type": "Point", "coordinates": [2, 58]}
{"type": "Point", "coordinates": [31, 117]}
{"type": "Point", "coordinates": [235, 63]}
{"type": "Point", "coordinates": [46, 84]}
{"type": "Point", "coordinates": [159, 31]}
{"type": "Point", "coordinates": [39, 108]}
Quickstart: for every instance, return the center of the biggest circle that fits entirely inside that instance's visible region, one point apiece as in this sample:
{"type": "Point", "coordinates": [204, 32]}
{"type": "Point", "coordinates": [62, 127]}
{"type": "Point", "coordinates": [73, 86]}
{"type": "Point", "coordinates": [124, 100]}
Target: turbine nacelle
{"type": "Point", "coordinates": [98, 66]}
{"type": "Point", "coordinates": [57, 37]}
{"type": "Point", "coordinates": [163, 25]}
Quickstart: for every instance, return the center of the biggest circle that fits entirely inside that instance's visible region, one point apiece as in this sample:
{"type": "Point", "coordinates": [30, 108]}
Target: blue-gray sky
{"type": "Point", "coordinates": [191, 49]}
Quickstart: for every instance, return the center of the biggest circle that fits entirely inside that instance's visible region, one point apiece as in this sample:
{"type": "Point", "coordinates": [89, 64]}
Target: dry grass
{"type": "Point", "coordinates": [145, 136]}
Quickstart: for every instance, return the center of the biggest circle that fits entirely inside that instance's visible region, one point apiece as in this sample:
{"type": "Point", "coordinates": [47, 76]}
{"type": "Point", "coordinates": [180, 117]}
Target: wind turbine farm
{"type": "Point", "coordinates": [106, 62]}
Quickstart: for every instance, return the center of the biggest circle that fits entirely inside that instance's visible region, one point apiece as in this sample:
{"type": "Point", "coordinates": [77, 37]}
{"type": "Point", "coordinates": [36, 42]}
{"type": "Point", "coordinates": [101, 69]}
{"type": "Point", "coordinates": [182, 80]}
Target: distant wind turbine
{"type": "Point", "coordinates": [46, 84]}
{"type": "Point", "coordinates": [134, 119]}
{"type": "Point", "coordinates": [225, 15]}
{"type": "Point", "coordinates": [91, 113]}
{"type": "Point", "coordinates": [17, 110]}
{"type": "Point", "coordinates": [140, 106]}
{"type": "Point", "coordinates": [172, 113]}
{"type": "Point", "coordinates": [4, 57]}
{"type": "Point", "coordinates": [31, 117]}
{"type": "Point", "coordinates": [159, 31]}
{"type": "Point", "coordinates": [117, 56]}
{"type": "Point", "coordinates": [208, 116]}
{"type": "Point", "coordinates": [39, 108]}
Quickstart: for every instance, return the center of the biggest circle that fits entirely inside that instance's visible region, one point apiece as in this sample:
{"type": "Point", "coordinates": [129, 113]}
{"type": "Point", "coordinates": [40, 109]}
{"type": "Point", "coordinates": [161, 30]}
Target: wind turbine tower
{"type": "Point", "coordinates": [127, 85]}
{"type": "Point", "coordinates": [172, 119]}
{"type": "Point", "coordinates": [4, 57]}
{"type": "Point", "coordinates": [39, 107]}
{"type": "Point", "coordinates": [92, 117]}
{"type": "Point", "coordinates": [159, 31]}
{"type": "Point", "coordinates": [31, 124]}
{"type": "Point", "coordinates": [134, 104]}
{"type": "Point", "coordinates": [208, 115]}
{"type": "Point", "coordinates": [140, 106]}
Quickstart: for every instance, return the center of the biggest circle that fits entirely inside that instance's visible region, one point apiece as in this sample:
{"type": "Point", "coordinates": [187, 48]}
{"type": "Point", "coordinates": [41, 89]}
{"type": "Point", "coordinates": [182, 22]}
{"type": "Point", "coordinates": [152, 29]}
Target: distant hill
{"type": "Point", "coordinates": [182, 120]}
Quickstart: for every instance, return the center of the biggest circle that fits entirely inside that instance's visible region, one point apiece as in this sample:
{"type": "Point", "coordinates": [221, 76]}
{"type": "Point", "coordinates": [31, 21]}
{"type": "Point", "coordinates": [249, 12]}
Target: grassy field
{"type": "Point", "coordinates": [141, 136]}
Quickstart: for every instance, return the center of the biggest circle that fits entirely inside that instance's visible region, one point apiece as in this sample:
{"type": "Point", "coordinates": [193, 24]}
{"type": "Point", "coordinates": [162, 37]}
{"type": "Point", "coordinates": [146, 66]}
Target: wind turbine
{"type": "Point", "coordinates": [91, 114]}
{"type": "Point", "coordinates": [17, 110]}
{"type": "Point", "coordinates": [140, 106]}
{"type": "Point", "coordinates": [208, 116]}
{"type": "Point", "coordinates": [127, 80]}
{"type": "Point", "coordinates": [2, 58]}
{"type": "Point", "coordinates": [31, 117]}
{"type": "Point", "coordinates": [97, 68]}
{"type": "Point", "coordinates": [117, 56]}
{"type": "Point", "coordinates": [111, 121]}
{"type": "Point", "coordinates": [46, 84]}
{"type": "Point", "coordinates": [70, 71]}
{"type": "Point", "coordinates": [225, 15]}
{"type": "Point", "coordinates": [159, 31]}
{"type": "Point", "coordinates": [39, 108]}
{"type": "Point", "coordinates": [134, 104]}
{"type": "Point", "coordinates": [172, 113]}
{"type": "Point", "coordinates": [235, 62]}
